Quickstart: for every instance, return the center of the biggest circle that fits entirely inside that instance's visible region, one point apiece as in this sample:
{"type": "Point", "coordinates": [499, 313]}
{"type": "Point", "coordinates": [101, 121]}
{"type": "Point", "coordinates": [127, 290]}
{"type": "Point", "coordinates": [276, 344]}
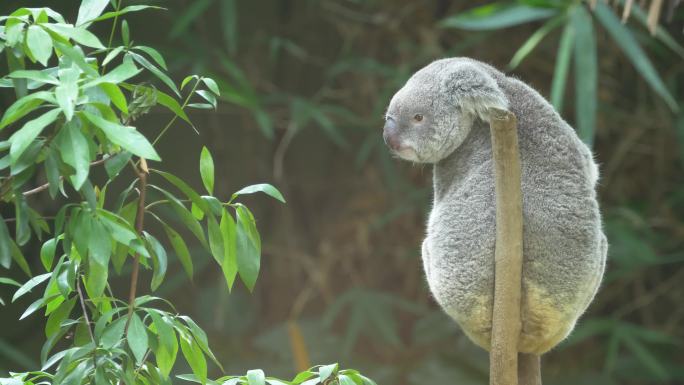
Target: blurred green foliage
{"type": "Point", "coordinates": [303, 87]}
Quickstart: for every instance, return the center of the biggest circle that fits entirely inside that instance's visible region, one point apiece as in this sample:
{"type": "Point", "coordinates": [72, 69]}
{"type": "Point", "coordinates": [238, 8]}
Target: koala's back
{"type": "Point", "coordinates": [563, 245]}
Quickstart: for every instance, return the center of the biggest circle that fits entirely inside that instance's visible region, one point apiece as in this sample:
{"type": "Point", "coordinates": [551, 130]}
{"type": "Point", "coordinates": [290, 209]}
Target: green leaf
{"type": "Point", "coordinates": [5, 250]}
{"type": "Point", "coordinates": [121, 73]}
{"type": "Point", "coordinates": [99, 242]}
{"type": "Point", "coordinates": [116, 96]}
{"type": "Point", "coordinates": [194, 356]}
{"type": "Point", "coordinates": [78, 34]}
{"type": "Point", "coordinates": [40, 44]}
{"type": "Point", "coordinates": [52, 172]}
{"type": "Point", "coordinates": [30, 284]}
{"type": "Point", "coordinates": [492, 17]}
{"type": "Point", "coordinates": [167, 349]}
{"type": "Point", "coordinates": [200, 338]}
{"type": "Point", "coordinates": [169, 102]}
{"type": "Point", "coordinates": [156, 71]}
{"type": "Point", "coordinates": [623, 37]}
{"type": "Point", "coordinates": [130, 8]}
{"type": "Point", "coordinates": [187, 80]}
{"type": "Point", "coordinates": [125, 33]}
{"type": "Point", "coordinates": [37, 76]}
{"type": "Point", "coordinates": [9, 281]}
{"type": "Point", "coordinates": [21, 139]}
{"type": "Point", "coordinates": [126, 137]}
{"type": "Point", "coordinates": [346, 380]}
{"type": "Point", "coordinates": [112, 55]}
{"type": "Point", "coordinates": [180, 249]}
{"type": "Point", "coordinates": [75, 151]}
{"type": "Point", "coordinates": [256, 377]}
{"type": "Point", "coordinates": [229, 264]}
{"type": "Point", "coordinates": [208, 96]}
{"type": "Point", "coordinates": [47, 253]}
{"type": "Point", "coordinates": [262, 187]}
{"type": "Point", "coordinates": [324, 372]}
{"type": "Point", "coordinates": [248, 248]}
{"type": "Point", "coordinates": [186, 217]}
{"type": "Point", "coordinates": [159, 261]}
{"type": "Point", "coordinates": [560, 73]}
{"type": "Point", "coordinates": [167, 337]}
{"type": "Point", "coordinates": [211, 84]}
{"type": "Point", "coordinates": [56, 318]}
{"type": "Point", "coordinates": [90, 9]}
{"type": "Point", "coordinates": [77, 56]}
{"type": "Point", "coordinates": [114, 165]}
{"type": "Point", "coordinates": [154, 54]}
{"type": "Point", "coordinates": [586, 74]}
{"type": "Point", "coordinates": [215, 239]}
{"type": "Point", "coordinates": [39, 303]}
{"type": "Point", "coordinates": [137, 338]}
{"type": "Point", "coordinates": [113, 333]}
{"type": "Point", "coordinates": [207, 170]}
{"type": "Point", "coordinates": [186, 189]}
{"type": "Point", "coordinates": [531, 43]}
{"type": "Point", "coordinates": [23, 106]}
{"type": "Point", "coordinates": [67, 91]}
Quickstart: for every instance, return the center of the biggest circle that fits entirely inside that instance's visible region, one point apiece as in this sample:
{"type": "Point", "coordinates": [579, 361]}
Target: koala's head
{"type": "Point", "coordinates": [433, 113]}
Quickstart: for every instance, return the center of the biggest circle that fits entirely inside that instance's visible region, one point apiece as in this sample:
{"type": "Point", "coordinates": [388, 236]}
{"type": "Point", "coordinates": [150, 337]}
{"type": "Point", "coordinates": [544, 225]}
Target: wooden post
{"type": "Point", "coordinates": [506, 323]}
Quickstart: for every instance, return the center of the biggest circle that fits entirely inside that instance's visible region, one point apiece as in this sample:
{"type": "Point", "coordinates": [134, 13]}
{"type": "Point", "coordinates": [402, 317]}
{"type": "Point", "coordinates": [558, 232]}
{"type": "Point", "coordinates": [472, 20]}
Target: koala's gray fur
{"type": "Point", "coordinates": [564, 248]}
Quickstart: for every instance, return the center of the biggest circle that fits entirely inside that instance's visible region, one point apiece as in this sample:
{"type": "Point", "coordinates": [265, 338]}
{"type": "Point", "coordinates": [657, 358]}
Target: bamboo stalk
{"type": "Point", "coordinates": [654, 15]}
{"type": "Point", "coordinates": [506, 323]}
{"type": "Point", "coordinates": [627, 10]}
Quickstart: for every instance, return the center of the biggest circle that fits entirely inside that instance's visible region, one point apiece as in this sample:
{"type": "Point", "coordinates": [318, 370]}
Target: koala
{"type": "Point", "coordinates": [440, 117]}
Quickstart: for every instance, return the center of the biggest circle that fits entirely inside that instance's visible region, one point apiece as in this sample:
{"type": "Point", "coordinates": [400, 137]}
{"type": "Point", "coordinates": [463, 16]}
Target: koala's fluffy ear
{"type": "Point", "coordinates": [473, 90]}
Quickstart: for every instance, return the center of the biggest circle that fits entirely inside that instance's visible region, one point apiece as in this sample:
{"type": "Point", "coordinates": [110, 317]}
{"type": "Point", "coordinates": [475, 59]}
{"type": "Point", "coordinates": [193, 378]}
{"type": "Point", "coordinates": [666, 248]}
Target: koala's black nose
{"type": "Point", "coordinates": [390, 134]}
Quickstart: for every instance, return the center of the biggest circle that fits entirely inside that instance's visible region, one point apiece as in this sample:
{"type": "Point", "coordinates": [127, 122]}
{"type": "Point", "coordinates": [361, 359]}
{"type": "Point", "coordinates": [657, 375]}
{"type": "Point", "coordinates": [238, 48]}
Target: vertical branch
{"type": "Point", "coordinates": [139, 223]}
{"type": "Point", "coordinates": [529, 369]}
{"type": "Point", "coordinates": [506, 323]}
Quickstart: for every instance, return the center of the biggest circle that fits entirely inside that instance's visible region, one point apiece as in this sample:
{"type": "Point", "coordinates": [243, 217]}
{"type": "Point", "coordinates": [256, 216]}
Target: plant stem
{"type": "Point", "coordinates": [111, 34]}
{"type": "Point", "coordinates": [81, 299]}
{"type": "Point", "coordinates": [45, 186]}
{"type": "Point", "coordinates": [83, 307]}
{"type": "Point", "coordinates": [139, 223]}
{"type": "Point", "coordinates": [185, 103]}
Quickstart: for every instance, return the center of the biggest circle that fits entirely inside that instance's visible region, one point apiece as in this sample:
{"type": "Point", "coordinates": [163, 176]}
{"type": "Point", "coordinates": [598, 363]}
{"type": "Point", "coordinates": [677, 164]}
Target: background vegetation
{"type": "Point", "coordinates": [304, 86]}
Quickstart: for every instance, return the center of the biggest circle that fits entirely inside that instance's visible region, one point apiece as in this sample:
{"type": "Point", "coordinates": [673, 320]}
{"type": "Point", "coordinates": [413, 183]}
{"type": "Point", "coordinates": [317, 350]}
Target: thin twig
{"type": "Point", "coordinates": [185, 103]}
{"type": "Point", "coordinates": [81, 299]}
{"type": "Point", "coordinates": [139, 223]}
{"type": "Point", "coordinates": [111, 34]}
{"type": "Point", "coordinates": [83, 307]}
{"type": "Point", "coordinates": [45, 186]}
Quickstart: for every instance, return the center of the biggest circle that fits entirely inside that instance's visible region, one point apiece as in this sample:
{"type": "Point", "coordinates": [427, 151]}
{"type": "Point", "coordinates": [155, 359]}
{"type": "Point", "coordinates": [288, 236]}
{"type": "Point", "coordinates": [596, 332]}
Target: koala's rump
{"type": "Point", "coordinates": [561, 251]}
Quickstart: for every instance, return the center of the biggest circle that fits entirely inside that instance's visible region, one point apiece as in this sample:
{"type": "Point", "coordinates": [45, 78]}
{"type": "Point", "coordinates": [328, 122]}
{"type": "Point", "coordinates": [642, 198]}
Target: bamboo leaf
{"type": "Point", "coordinates": [586, 74]}
{"type": "Point", "coordinates": [492, 17]}
{"type": "Point", "coordinates": [624, 38]}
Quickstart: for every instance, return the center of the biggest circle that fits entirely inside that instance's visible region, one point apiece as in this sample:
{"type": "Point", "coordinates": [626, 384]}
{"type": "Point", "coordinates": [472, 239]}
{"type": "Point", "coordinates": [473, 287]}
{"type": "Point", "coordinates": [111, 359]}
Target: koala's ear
{"type": "Point", "coordinates": [474, 90]}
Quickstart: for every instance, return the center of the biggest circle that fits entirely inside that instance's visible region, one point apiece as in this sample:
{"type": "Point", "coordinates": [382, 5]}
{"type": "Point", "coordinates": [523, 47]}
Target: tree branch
{"type": "Point", "coordinates": [506, 322]}
{"type": "Point", "coordinates": [139, 223]}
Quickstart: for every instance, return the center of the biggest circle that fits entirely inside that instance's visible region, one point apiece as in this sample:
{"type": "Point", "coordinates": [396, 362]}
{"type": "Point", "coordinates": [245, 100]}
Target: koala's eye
{"type": "Point", "coordinates": [418, 117]}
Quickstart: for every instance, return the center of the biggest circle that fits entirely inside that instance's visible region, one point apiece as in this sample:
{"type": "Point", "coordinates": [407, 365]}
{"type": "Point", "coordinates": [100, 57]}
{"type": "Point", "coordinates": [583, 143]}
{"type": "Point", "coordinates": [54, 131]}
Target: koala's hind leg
{"type": "Point", "coordinates": [544, 325]}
